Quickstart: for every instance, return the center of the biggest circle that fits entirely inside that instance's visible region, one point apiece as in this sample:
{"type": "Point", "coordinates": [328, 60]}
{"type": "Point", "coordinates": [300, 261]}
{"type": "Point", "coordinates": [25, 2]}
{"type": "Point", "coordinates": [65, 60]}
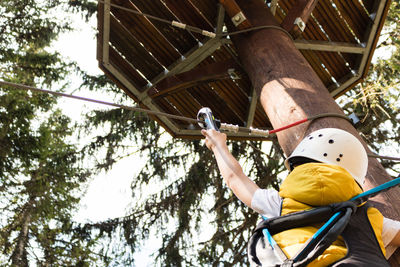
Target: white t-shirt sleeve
{"type": "Point", "coordinates": [389, 230]}
{"type": "Point", "coordinates": [266, 202]}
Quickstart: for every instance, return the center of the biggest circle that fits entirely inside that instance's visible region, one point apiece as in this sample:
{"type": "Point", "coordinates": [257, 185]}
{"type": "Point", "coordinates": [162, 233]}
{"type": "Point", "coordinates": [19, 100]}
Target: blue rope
{"type": "Point", "coordinates": [378, 189]}
{"type": "Point", "coordinates": [268, 235]}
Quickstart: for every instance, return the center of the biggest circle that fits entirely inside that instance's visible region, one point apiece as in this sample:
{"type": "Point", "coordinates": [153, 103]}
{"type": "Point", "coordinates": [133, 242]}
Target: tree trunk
{"type": "Point", "coordinates": [290, 90]}
{"type": "Point", "coordinates": [19, 255]}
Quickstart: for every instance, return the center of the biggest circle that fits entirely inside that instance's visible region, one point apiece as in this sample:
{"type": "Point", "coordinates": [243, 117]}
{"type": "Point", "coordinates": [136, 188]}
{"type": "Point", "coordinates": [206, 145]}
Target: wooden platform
{"type": "Point", "coordinates": [176, 71]}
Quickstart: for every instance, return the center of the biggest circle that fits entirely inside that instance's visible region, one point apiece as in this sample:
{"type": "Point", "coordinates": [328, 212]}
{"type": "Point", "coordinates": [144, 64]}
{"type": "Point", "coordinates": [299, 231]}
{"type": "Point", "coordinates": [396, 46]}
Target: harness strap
{"type": "Point", "coordinates": [303, 218]}
{"type": "Point", "coordinates": [316, 246]}
{"type": "Point", "coordinates": [300, 219]}
{"type": "Point", "coordinates": [287, 263]}
{"type": "Point", "coordinates": [326, 235]}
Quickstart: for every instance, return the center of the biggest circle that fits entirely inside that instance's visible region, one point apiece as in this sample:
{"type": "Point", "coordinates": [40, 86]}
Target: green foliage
{"type": "Point", "coordinates": [179, 197]}
{"type": "Point", "coordinates": [376, 101]}
{"type": "Point", "coordinates": [187, 201]}
{"type": "Point", "coordinates": [40, 176]}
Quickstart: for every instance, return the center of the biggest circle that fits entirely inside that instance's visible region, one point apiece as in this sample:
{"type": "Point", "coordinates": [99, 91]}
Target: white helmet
{"type": "Point", "coordinates": [334, 146]}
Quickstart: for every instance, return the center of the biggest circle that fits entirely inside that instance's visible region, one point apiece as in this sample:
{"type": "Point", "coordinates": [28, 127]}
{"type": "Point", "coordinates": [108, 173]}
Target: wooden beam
{"type": "Point", "coordinates": [252, 108]}
{"type": "Point", "coordinates": [375, 28]}
{"type": "Point", "coordinates": [235, 13]}
{"type": "Point", "coordinates": [220, 19]}
{"type": "Point", "coordinates": [296, 20]}
{"type": "Point", "coordinates": [188, 61]}
{"type": "Point", "coordinates": [106, 32]}
{"type": "Point", "coordinates": [329, 46]}
{"type": "Point", "coordinates": [211, 72]}
{"type": "Point", "coordinates": [274, 4]}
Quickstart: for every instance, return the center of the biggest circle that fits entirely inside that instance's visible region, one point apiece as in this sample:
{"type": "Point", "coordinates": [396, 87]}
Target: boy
{"type": "Point", "coordinates": [328, 166]}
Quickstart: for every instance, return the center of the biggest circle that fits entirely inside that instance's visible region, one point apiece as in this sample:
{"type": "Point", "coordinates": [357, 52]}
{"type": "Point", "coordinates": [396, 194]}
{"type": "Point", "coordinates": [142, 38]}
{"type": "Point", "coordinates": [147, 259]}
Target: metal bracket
{"type": "Point", "coordinates": [238, 18]}
{"type": "Point", "coordinates": [353, 117]}
{"type": "Point", "coordinates": [300, 23]}
{"type": "Point", "coordinates": [233, 75]}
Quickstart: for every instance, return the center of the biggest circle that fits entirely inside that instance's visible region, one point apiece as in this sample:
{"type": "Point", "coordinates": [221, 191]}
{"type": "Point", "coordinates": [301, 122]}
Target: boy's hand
{"type": "Point", "coordinates": [214, 138]}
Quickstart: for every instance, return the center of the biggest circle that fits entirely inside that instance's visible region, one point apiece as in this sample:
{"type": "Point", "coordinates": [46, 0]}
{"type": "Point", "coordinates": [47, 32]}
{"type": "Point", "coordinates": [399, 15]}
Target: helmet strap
{"type": "Point", "coordinates": [297, 161]}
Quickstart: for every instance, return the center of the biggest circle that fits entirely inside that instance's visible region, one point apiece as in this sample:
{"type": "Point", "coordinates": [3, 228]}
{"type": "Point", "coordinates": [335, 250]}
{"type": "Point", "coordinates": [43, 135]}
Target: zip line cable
{"type": "Point", "coordinates": [224, 126]}
{"type": "Point", "coordinates": [151, 112]}
{"type": "Point", "coordinates": [383, 157]}
{"type": "Point", "coordinates": [193, 28]}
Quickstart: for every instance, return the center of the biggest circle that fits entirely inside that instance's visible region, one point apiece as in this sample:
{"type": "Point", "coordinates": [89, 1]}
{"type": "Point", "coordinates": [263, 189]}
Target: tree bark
{"type": "Point", "coordinates": [19, 255]}
{"type": "Point", "coordinates": [290, 90]}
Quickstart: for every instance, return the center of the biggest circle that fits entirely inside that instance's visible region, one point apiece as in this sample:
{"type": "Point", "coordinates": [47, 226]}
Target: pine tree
{"type": "Point", "coordinates": [196, 218]}
{"type": "Point", "coordinates": [40, 174]}
{"type": "Point", "coordinates": [187, 204]}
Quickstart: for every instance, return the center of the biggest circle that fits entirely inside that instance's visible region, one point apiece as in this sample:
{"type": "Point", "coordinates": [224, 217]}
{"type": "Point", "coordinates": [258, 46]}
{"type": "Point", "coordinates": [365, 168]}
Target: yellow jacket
{"type": "Point", "coordinates": [317, 184]}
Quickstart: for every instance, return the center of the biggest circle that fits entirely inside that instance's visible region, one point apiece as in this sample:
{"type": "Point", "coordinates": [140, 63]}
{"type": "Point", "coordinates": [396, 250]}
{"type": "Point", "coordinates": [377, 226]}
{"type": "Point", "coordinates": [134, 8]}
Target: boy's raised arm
{"type": "Point", "coordinates": [241, 185]}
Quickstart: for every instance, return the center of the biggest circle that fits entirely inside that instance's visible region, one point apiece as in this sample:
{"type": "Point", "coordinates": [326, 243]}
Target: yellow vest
{"type": "Point", "coordinates": [317, 184]}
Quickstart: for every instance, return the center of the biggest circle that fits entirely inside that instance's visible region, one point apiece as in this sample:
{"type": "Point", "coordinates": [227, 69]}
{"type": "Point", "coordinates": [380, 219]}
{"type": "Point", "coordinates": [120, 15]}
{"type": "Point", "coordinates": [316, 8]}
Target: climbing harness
{"type": "Point", "coordinates": [202, 114]}
{"type": "Point", "coordinates": [337, 217]}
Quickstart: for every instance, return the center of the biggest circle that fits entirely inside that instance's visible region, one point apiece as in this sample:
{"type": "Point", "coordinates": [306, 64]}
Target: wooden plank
{"type": "Point", "coordinates": [329, 46]}
{"type": "Point", "coordinates": [185, 13]}
{"type": "Point", "coordinates": [126, 69]}
{"type": "Point", "coordinates": [106, 31]}
{"type": "Point", "coordinates": [233, 10]}
{"type": "Point", "coordinates": [198, 56]}
{"type": "Point", "coordinates": [206, 8]}
{"type": "Point", "coordinates": [133, 51]}
{"type": "Point", "coordinates": [207, 97]}
{"type": "Point", "coordinates": [354, 16]}
{"type": "Point", "coordinates": [145, 33]}
{"type": "Point", "coordinates": [233, 93]}
{"type": "Point", "coordinates": [300, 10]}
{"type": "Point", "coordinates": [315, 62]}
{"type": "Point", "coordinates": [182, 40]}
{"type": "Point", "coordinates": [279, 13]}
{"type": "Point", "coordinates": [167, 107]}
{"type": "Point", "coordinates": [192, 106]}
{"type": "Point", "coordinates": [332, 23]}
{"type": "Point", "coordinates": [100, 21]}
{"type": "Point", "coordinates": [274, 4]}
{"type": "Point", "coordinates": [369, 5]}
{"type": "Point", "coordinates": [314, 32]}
{"type": "Point", "coordinates": [205, 74]}
{"type": "Point", "coordinates": [251, 109]}
{"type": "Point", "coordinates": [374, 30]}
{"type": "Point", "coordinates": [366, 20]}
{"type": "Point", "coordinates": [233, 97]}
{"type": "Point", "coordinates": [332, 62]}
{"type": "Point", "coordinates": [181, 104]}
{"type": "Point", "coordinates": [260, 118]}
{"type": "Point", "coordinates": [333, 65]}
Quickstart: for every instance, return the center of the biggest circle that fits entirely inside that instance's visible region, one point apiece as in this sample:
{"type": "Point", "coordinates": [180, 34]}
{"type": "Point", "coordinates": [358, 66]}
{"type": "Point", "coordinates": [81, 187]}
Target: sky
{"type": "Point", "coordinates": [114, 186]}
{"type": "Point", "coordinates": [109, 194]}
